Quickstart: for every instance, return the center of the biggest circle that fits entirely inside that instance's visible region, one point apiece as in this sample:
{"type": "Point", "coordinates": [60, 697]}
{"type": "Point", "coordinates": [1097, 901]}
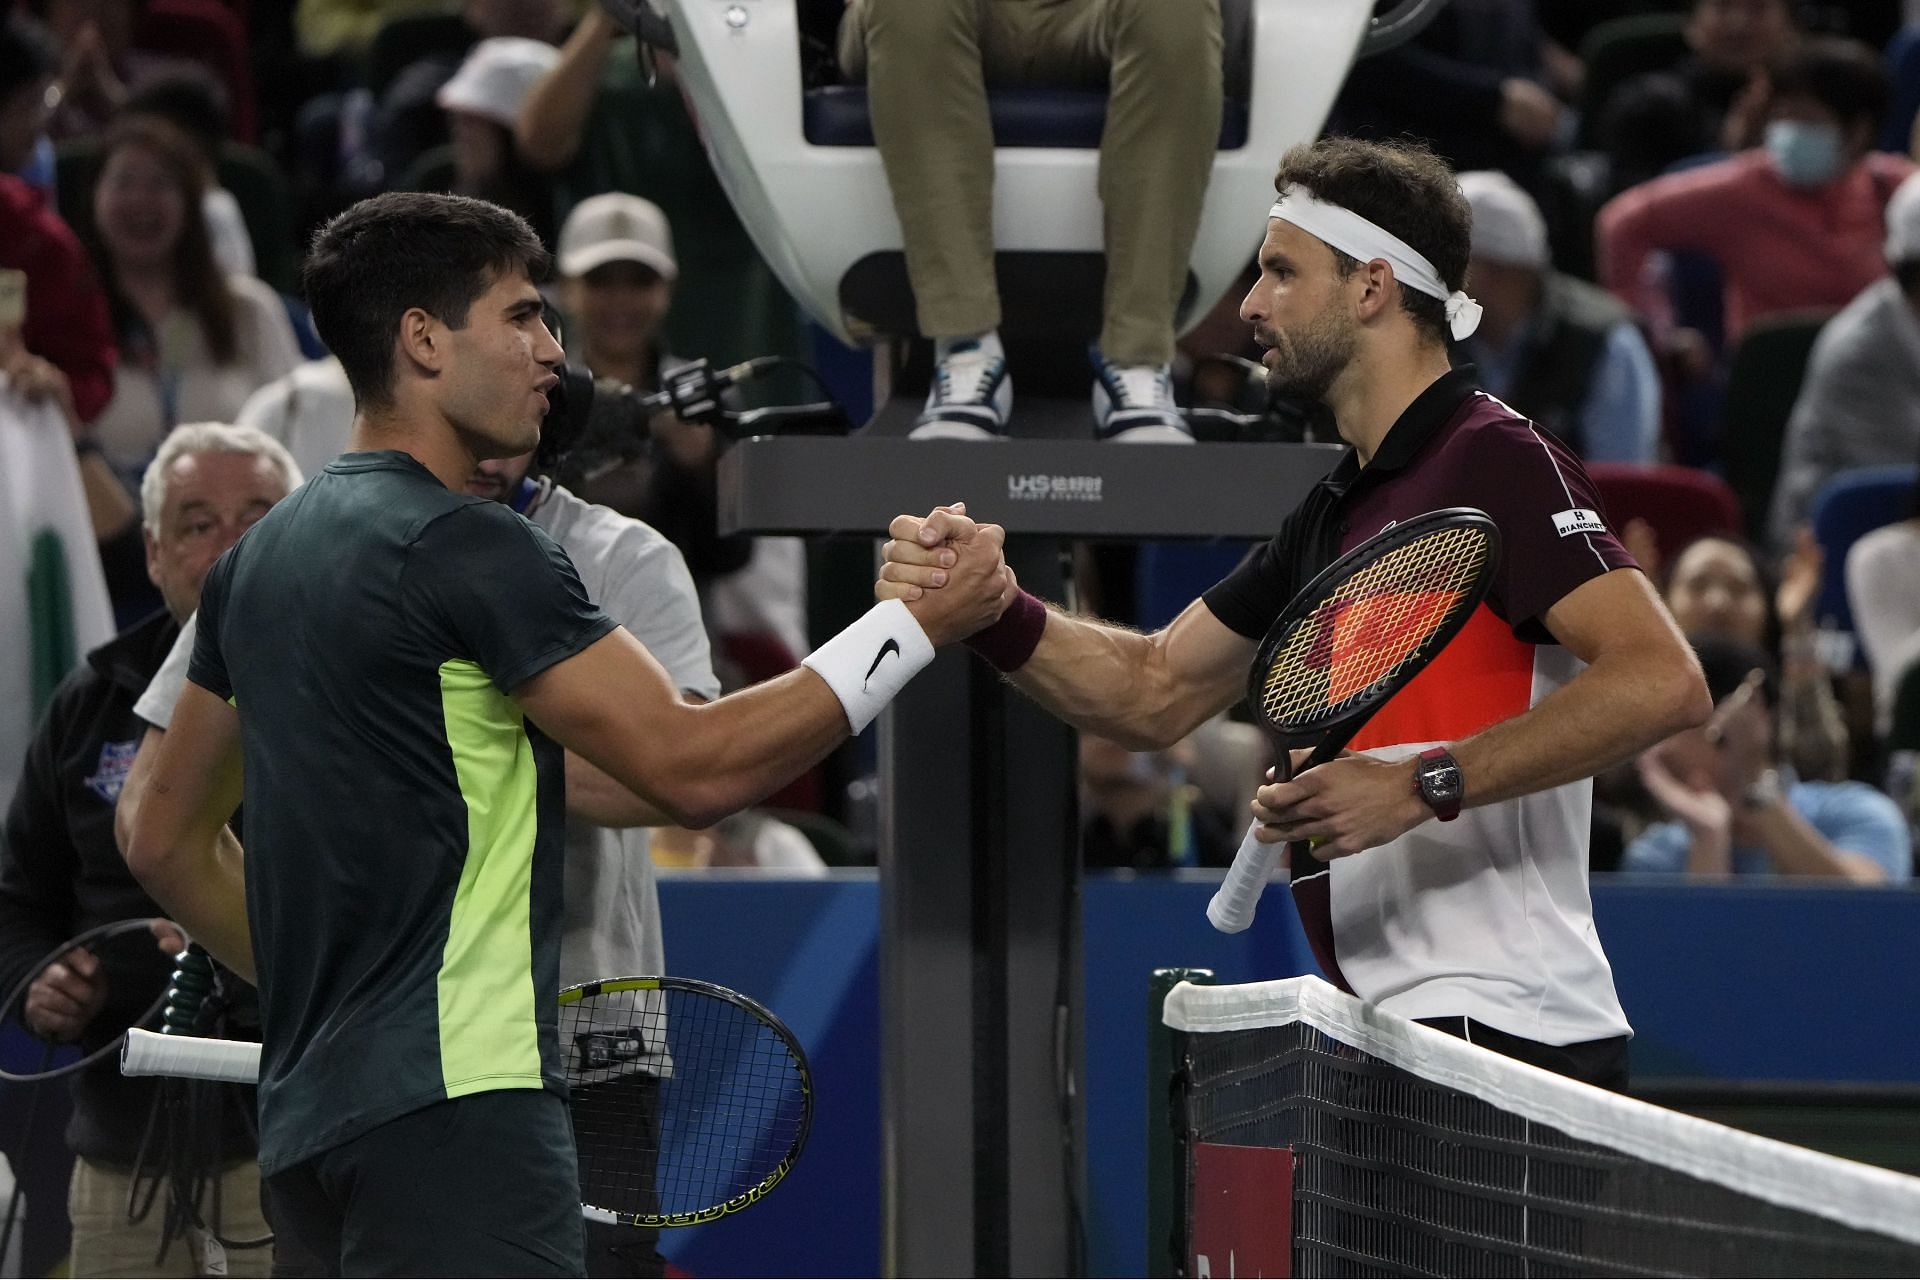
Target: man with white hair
{"type": "Point", "coordinates": [1562, 351]}
{"type": "Point", "coordinates": [61, 871]}
{"type": "Point", "coordinates": [1859, 404]}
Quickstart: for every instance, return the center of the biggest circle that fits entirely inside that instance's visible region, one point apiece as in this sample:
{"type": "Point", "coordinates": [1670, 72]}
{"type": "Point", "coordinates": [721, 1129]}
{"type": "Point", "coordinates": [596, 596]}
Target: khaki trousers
{"type": "Point", "coordinates": [106, 1244]}
{"type": "Point", "coordinates": [928, 63]}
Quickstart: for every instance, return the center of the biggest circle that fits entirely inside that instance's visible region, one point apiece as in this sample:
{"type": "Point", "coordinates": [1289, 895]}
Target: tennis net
{"type": "Point", "coordinates": [1411, 1152]}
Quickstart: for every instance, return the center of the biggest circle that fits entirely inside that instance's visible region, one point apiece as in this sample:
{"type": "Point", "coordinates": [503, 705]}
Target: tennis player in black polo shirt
{"type": "Point", "coordinates": [1470, 912]}
{"type": "Point", "coordinates": [396, 664]}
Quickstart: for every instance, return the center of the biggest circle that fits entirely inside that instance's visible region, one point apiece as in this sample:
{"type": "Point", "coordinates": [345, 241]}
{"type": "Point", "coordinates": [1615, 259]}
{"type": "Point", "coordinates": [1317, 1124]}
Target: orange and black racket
{"type": "Point", "coordinates": [1347, 642]}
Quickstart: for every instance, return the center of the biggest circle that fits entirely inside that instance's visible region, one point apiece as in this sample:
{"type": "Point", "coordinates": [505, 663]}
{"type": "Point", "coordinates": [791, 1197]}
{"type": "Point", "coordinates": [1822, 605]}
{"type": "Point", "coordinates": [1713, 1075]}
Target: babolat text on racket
{"type": "Point", "coordinates": [1346, 643]}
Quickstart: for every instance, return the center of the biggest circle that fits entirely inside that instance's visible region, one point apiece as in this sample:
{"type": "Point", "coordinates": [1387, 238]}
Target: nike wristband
{"type": "Point", "coordinates": [872, 660]}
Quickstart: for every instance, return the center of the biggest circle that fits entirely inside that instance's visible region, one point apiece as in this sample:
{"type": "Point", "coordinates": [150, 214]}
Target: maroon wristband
{"type": "Point", "coordinates": [1008, 643]}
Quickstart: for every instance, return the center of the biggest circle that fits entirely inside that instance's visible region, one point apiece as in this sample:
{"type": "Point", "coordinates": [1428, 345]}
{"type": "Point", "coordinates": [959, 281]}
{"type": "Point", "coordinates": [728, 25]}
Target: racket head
{"type": "Point", "coordinates": [133, 965]}
{"type": "Point", "coordinates": [690, 1101]}
{"type": "Point", "coordinates": [1369, 622]}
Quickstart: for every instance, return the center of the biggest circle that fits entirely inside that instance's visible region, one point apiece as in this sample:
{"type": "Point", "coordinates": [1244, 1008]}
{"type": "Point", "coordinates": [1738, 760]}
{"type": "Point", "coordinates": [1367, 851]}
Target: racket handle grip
{"type": "Point", "coordinates": [1233, 905]}
{"type": "Point", "coordinates": [147, 1053]}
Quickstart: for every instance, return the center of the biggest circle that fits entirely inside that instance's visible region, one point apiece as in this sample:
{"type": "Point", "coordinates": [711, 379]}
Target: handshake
{"type": "Point", "coordinates": [951, 572]}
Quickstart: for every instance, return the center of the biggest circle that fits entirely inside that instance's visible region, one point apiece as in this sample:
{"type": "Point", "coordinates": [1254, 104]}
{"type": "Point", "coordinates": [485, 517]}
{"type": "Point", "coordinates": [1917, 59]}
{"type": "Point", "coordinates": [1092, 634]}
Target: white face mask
{"type": "Point", "coordinates": [1804, 154]}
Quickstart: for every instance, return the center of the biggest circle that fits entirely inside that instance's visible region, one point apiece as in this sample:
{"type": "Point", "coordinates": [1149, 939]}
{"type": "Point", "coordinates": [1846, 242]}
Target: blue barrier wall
{"type": "Point", "coordinates": [1739, 982]}
{"type": "Point", "coordinates": [1748, 982]}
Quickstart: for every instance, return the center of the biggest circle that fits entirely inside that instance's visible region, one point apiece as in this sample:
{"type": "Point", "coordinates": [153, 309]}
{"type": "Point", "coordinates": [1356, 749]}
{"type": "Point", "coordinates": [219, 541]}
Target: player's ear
{"type": "Point", "coordinates": [1376, 290]}
{"type": "Point", "coordinates": [422, 340]}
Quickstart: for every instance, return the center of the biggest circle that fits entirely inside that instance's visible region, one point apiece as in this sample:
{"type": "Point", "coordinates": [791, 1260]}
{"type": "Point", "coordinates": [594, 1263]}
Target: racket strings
{"type": "Point", "coordinates": [681, 1101]}
{"type": "Point", "coordinates": [1384, 615]}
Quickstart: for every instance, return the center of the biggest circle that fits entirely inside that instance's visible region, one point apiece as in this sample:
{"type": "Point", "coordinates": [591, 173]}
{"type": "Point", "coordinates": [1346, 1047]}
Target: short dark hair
{"type": "Point", "coordinates": [1402, 187]}
{"type": "Point", "coordinates": [190, 98]}
{"type": "Point", "coordinates": [406, 249]}
{"type": "Point", "coordinates": [27, 53]}
{"type": "Point", "coordinates": [1844, 76]}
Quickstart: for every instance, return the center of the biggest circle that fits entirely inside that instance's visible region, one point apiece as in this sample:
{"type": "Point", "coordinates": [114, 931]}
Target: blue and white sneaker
{"type": "Point", "coordinates": [971, 395]}
{"type": "Point", "coordinates": [1133, 403]}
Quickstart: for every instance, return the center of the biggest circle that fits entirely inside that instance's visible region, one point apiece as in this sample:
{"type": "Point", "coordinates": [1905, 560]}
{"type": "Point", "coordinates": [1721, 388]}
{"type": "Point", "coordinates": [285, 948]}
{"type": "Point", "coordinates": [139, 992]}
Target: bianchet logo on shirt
{"type": "Point", "coordinates": [1578, 520]}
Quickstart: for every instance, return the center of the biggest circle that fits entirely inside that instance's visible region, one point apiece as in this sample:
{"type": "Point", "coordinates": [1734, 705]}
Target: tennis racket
{"type": "Point", "coordinates": [1348, 641]}
{"type": "Point", "coordinates": [689, 1101]}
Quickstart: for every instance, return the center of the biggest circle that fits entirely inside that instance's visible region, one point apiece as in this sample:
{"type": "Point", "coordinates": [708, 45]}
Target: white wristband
{"type": "Point", "coordinates": [872, 660]}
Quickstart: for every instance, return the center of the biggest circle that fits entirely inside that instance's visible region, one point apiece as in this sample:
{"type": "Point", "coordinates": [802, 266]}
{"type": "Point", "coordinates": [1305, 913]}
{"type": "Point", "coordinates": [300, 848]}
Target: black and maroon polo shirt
{"type": "Point", "coordinates": [1486, 917]}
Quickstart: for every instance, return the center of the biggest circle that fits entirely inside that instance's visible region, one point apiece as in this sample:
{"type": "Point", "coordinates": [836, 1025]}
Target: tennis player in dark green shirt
{"type": "Point", "coordinates": [386, 671]}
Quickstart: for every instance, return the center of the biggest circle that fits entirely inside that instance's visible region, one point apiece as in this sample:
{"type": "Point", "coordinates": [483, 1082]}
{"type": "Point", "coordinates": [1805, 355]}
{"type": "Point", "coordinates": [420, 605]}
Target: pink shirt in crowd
{"type": "Point", "coordinates": [1779, 248]}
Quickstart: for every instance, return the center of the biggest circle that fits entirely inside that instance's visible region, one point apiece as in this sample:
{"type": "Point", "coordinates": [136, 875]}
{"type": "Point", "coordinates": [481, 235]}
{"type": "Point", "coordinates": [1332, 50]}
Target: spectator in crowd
{"type": "Point", "coordinates": [194, 342]}
{"type": "Point", "coordinates": [927, 65]}
{"type": "Point", "coordinates": [1859, 404]}
{"type": "Point", "coordinates": [409, 120]}
{"type": "Point", "coordinates": [1796, 223]}
{"type": "Point", "coordinates": [1478, 85]}
{"type": "Point", "coordinates": [61, 870]}
{"type": "Point", "coordinates": [194, 102]}
{"type": "Point", "coordinates": [597, 125]}
{"type": "Point", "coordinates": [1561, 351]}
{"type": "Point", "coordinates": [1139, 810]}
{"type": "Point", "coordinates": [1720, 587]}
{"type": "Point", "coordinates": [66, 329]}
{"type": "Point", "coordinates": [99, 61]}
{"type": "Point", "coordinates": [1713, 100]}
{"type": "Point", "coordinates": [482, 102]}
{"type": "Point", "coordinates": [1735, 808]}
{"type": "Point", "coordinates": [1883, 589]}
{"type": "Point", "coordinates": [29, 61]}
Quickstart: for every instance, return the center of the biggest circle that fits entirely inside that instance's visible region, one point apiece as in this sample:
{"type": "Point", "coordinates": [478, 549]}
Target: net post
{"type": "Point", "coordinates": [1166, 1165]}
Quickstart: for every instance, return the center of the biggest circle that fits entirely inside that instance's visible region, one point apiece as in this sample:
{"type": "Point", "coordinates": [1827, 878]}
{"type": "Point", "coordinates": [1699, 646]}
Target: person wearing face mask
{"type": "Point", "coordinates": [1734, 808]}
{"type": "Point", "coordinates": [1797, 222]}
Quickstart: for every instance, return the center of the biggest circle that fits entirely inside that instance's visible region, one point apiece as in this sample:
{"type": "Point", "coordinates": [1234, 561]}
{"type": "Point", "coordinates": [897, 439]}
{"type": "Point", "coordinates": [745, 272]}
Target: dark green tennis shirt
{"type": "Point", "coordinates": [404, 821]}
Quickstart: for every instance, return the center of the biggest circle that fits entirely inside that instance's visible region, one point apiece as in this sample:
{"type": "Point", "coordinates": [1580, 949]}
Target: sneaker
{"type": "Point", "coordinates": [1133, 403]}
{"type": "Point", "coordinates": [971, 394]}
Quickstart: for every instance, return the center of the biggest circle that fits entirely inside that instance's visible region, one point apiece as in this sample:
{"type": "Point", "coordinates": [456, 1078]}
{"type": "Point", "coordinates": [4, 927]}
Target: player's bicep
{"type": "Point", "coordinates": [611, 703]}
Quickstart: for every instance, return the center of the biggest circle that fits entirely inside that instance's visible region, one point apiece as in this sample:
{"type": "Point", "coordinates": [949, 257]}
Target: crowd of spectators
{"type": "Point", "coordinates": [1657, 185]}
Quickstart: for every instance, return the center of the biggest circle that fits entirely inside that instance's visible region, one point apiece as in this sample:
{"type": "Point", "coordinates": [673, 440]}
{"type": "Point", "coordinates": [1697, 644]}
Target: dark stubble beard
{"type": "Point", "coordinates": [1308, 359]}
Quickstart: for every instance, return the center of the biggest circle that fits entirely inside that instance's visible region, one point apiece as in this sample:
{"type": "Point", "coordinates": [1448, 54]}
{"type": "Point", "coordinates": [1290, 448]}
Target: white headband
{"type": "Point", "coordinates": [1359, 238]}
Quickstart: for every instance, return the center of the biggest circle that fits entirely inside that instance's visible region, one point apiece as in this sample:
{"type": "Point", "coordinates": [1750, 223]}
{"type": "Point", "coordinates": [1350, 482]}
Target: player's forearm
{"type": "Point", "coordinates": [1113, 682]}
{"type": "Point", "coordinates": [595, 796]}
{"type": "Point", "coordinates": [202, 886]}
{"type": "Point", "coordinates": [700, 763]}
{"type": "Point", "coordinates": [1623, 703]}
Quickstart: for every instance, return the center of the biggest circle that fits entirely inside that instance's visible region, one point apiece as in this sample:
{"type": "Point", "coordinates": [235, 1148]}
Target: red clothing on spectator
{"type": "Point", "coordinates": [67, 320]}
{"type": "Point", "coordinates": [1779, 248]}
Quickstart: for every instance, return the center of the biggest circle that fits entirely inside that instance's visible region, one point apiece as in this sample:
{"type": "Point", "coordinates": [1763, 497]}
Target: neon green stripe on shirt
{"type": "Point", "coordinates": [488, 1028]}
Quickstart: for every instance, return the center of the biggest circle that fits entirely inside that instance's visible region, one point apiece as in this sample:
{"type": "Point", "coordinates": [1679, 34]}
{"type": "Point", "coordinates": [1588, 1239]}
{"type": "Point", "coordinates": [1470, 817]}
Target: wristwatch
{"type": "Point", "coordinates": [1437, 779]}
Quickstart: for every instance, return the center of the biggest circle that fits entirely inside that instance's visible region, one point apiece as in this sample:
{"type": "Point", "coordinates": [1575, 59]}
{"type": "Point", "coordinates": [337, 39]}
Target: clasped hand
{"type": "Point", "coordinates": [951, 572]}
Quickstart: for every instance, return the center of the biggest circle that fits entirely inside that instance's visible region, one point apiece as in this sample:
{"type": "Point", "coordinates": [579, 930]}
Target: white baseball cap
{"type": "Point", "coordinates": [1507, 226]}
{"type": "Point", "coordinates": [496, 77]}
{"type": "Point", "coordinates": [616, 227]}
{"type": "Point", "coordinates": [1903, 221]}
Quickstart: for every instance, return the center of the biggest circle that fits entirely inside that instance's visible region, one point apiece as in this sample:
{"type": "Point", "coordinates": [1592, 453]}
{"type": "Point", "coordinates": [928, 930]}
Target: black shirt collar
{"type": "Point", "coordinates": [1431, 410]}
